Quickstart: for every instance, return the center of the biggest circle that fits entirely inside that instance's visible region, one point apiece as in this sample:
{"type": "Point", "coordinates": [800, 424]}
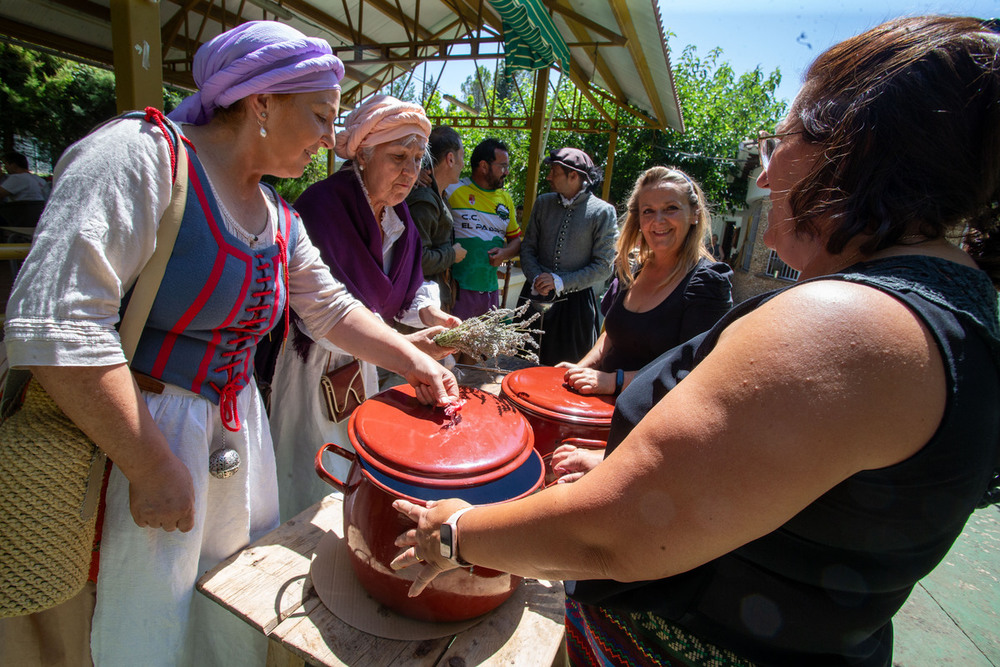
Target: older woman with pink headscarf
{"type": "Point", "coordinates": [359, 221]}
{"type": "Point", "coordinates": [267, 101]}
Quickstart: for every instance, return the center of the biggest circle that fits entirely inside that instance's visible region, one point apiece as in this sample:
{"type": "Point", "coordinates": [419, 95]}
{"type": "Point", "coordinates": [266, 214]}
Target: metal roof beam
{"type": "Point", "coordinates": [220, 14]}
{"type": "Point", "coordinates": [88, 8]}
{"type": "Point", "coordinates": [613, 38]}
{"type": "Point", "coordinates": [77, 49]}
{"type": "Point", "coordinates": [326, 21]}
{"type": "Point", "coordinates": [393, 13]}
{"type": "Point", "coordinates": [172, 27]}
{"type": "Point", "coordinates": [403, 52]}
{"type": "Point", "coordinates": [584, 88]}
{"type": "Point", "coordinates": [596, 61]}
{"type": "Point", "coordinates": [559, 123]}
{"type": "Point", "coordinates": [479, 10]}
{"type": "Point", "coordinates": [624, 18]}
{"type": "Point", "coordinates": [624, 106]}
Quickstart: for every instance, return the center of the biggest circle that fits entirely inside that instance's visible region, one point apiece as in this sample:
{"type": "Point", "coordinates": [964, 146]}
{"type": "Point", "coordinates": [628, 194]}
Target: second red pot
{"type": "Point", "coordinates": [556, 412]}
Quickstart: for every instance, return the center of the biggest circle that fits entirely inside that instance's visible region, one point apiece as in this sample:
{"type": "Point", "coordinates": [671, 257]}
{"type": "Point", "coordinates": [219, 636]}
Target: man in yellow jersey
{"type": "Point", "coordinates": [483, 215]}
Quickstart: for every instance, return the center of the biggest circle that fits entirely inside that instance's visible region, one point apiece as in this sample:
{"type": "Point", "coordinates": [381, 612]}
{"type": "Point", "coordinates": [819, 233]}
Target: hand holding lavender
{"type": "Point", "coordinates": [495, 332]}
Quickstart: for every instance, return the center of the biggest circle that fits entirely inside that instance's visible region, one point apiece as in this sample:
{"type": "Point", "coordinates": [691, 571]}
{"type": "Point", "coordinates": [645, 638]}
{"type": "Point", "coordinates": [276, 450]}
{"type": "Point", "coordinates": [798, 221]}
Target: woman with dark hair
{"type": "Point", "coordinates": [775, 488]}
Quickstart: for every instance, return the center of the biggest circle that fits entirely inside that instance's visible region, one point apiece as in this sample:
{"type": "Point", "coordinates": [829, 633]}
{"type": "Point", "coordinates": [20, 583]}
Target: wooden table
{"type": "Point", "coordinates": [268, 585]}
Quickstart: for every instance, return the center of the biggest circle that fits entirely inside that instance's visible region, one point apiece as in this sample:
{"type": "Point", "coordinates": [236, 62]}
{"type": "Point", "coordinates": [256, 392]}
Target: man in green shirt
{"type": "Point", "coordinates": [483, 216]}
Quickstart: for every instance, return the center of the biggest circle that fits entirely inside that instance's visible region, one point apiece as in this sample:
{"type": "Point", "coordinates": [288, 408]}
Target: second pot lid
{"type": "Point", "coordinates": [541, 389]}
{"type": "Point", "coordinates": [422, 445]}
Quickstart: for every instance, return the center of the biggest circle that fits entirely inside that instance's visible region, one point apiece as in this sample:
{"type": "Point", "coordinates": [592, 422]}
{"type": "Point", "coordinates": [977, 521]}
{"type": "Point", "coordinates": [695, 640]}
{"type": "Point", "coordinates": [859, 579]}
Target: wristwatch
{"type": "Point", "coordinates": [449, 538]}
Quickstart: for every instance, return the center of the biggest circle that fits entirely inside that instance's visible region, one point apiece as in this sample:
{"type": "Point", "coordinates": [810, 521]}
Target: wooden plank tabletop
{"type": "Point", "coordinates": [268, 586]}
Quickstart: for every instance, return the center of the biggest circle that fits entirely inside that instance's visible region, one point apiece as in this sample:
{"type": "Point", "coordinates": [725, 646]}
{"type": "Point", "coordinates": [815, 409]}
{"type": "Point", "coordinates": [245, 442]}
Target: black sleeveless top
{"type": "Point", "coordinates": [699, 300]}
{"type": "Point", "coordinates": [822, 589]}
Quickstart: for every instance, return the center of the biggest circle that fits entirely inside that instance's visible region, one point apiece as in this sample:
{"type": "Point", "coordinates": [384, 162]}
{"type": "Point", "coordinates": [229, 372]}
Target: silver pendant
{"type": "Point", "coordinates": [223, 462]}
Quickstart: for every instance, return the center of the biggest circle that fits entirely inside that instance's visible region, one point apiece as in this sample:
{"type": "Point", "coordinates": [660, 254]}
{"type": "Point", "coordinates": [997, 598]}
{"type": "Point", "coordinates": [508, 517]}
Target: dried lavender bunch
{"type": "Point", "coordinates": [495, 332]}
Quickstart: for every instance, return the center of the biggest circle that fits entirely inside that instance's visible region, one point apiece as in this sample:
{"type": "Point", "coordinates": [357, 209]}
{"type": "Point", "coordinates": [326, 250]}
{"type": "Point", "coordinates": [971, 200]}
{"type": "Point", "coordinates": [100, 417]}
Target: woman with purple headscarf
{"type": "Point", "coordinates": [267, 101]}
{"type": "Point", "coordinates": [360, 222]}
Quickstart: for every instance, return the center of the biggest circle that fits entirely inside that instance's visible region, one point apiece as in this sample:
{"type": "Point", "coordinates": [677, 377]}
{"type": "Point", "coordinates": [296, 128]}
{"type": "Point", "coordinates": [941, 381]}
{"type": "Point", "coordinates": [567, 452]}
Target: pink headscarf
{"type": "Point", "coordinates": [380, 119]}
{"type": "Point", "coordinates": [257, 57]}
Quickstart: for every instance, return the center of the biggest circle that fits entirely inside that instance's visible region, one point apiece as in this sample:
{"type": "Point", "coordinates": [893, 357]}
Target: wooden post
{"type": "Point", "coordinates": [135, 37]}
{"type": "Point", "coordinates": [609, 166]}
{"type": "Point", "coordinates": [535, 144]}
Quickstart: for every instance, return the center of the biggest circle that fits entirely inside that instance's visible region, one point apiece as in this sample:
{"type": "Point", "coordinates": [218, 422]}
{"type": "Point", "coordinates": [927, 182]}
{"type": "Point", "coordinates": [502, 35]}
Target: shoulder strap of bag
{"type": "Point", "coordinates": [149, 279]}
{"type": "Point", "coordinates": [148, 283]}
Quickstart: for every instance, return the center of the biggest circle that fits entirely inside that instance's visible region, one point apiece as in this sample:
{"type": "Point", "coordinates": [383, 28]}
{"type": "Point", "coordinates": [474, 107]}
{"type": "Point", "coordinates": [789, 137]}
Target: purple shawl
{"type": "Point", "coordinates": [341, 224]}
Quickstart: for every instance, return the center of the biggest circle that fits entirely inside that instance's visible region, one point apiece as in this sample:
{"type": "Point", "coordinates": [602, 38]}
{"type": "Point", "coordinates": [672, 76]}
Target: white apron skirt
{"type": "Point", "coordinates": [145, 588]}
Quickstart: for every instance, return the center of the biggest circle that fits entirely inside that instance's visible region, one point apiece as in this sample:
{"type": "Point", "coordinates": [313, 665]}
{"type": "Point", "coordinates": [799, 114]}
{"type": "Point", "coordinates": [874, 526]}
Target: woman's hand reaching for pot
{"type": "Point", "coordinates": [571, 463]}
{"type": "Point", "coordinates": [588, 380]}
{"type": "Point", "coordinates": [422, 545]}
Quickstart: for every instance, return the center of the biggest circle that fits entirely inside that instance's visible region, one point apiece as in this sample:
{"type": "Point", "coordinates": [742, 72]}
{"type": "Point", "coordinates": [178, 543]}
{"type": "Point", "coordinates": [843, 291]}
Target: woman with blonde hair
{"type": "Point", "coordinates": [667, 289]}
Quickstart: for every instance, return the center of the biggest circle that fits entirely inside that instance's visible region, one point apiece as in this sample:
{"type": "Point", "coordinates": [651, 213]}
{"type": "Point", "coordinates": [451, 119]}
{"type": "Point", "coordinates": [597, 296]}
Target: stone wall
{"type": "Point", "coordinates": [754, 280]}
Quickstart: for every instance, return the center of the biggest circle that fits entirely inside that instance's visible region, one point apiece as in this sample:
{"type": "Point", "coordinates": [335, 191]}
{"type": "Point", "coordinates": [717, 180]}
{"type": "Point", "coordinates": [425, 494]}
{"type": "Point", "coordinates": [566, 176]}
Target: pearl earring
{"type": "Point", "coordinates": [263, 132]}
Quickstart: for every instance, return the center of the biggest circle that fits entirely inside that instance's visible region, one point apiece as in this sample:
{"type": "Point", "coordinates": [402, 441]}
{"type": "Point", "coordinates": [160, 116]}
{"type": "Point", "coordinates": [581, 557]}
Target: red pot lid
{"type": "Point", "coordinates": [541, 389]}
{"type": "Point", "coordinates": [421, 445]}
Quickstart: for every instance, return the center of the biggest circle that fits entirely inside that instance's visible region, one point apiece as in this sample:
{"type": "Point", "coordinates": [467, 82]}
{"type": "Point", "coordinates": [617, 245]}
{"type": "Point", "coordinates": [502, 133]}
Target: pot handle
{"type": "Point", "coordinates": [322, 472]}
{"type": "Point", "coordinates": [585, 443]}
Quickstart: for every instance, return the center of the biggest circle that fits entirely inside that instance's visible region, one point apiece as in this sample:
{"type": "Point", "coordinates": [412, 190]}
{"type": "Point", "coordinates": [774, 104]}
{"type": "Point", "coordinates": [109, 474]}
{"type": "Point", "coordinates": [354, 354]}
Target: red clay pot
{"type": "Point", "coordinates": [556, 412]}
{"type": "Point", "coordinates": [412, 451]}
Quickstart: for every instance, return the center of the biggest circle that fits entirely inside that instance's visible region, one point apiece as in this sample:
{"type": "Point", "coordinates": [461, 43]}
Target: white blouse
{"type": "Point", "coordinates": [97, 233]}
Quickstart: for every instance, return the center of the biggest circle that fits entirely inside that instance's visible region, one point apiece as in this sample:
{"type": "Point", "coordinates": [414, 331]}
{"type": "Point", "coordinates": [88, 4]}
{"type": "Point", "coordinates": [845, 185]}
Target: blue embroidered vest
{"type": "Point", "coordinates": [218, 298]}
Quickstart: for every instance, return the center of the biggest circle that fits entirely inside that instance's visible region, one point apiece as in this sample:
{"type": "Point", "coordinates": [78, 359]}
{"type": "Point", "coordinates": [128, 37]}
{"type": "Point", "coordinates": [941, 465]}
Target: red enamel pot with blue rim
{"type": "Point", "coordinates": [483, 455]}
{"type": "Point", "coordinates": [556, 412]}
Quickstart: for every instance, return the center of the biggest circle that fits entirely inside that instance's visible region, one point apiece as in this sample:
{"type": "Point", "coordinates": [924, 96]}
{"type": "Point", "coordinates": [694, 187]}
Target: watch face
{"type": "Point", "coordinates": [447, 548]}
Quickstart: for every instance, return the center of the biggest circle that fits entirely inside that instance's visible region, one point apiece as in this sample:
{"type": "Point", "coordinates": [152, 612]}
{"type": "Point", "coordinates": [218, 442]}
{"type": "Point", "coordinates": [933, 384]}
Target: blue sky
{"type": "Point", "coordinates": [772, 34]}
{"type": "Point", "coordinates": [789, 34]}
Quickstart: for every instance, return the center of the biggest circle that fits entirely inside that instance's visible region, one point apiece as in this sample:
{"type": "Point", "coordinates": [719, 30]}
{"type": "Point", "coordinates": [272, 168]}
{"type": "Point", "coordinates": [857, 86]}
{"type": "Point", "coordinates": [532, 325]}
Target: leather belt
{"type": "Point", "coordinates": [147, 383]}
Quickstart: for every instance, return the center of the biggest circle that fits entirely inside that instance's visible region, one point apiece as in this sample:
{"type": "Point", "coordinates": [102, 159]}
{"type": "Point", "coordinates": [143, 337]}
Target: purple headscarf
{"type": "Point", "coordinates": [257, 57]}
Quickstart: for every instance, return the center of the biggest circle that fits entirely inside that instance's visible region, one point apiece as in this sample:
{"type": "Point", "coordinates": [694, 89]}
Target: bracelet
{"type": "Point", "coordinates": [619, 381]}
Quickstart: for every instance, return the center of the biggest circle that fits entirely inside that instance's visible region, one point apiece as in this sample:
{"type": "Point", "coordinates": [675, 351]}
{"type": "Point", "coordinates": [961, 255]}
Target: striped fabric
{"type": "Point", "coordinates": [531, 39]}
{"type": "Point", "coordinates": [597, 637]}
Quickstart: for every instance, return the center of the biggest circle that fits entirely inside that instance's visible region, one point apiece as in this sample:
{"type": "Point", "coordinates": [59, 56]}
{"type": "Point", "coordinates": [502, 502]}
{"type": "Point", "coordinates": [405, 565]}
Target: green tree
{"type": "Point", "coordinates": [22, 74]}
{"type": "Point", "coordinates": [721, 109]}
{"type": "Point", "coordinates": [402, 88]}
{"type": "Point", "coordinates": [291, 188]}
{"type": "Point", "coordinates": [86, 98]}
{"type": "Point", "coordinates": [55, 101]}
{"type": "Point", "coordinates": [477, 89]}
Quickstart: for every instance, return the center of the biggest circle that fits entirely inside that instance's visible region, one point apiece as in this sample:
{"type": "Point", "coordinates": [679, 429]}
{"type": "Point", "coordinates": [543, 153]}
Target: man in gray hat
{"type": "Point", "coordinates": [568, 249]}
